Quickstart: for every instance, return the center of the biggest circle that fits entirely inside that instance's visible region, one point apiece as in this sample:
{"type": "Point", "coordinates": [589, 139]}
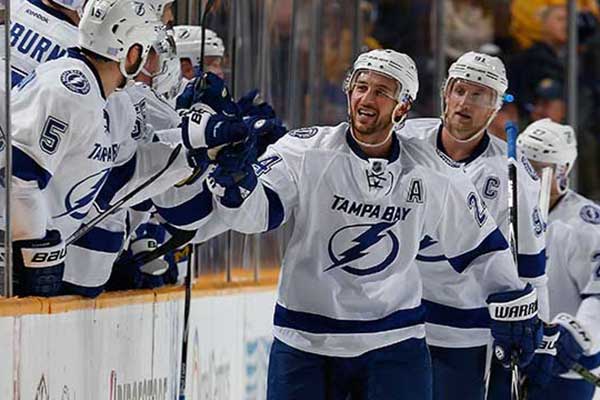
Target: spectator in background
{"type": "Point", "coordinates": [548, 102]}
{"type": "Point", "coordinates": [469, 27]}
{"type": "Point", "coordinates": [544, 59]}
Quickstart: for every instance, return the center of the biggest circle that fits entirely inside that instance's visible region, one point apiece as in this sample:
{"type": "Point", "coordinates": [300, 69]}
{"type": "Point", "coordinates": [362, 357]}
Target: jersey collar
{"type": "Point", "coordinates": [55, 13]}
{"type": "Point", "coordinates": [358, 151]}
{"type": "Point", "coordinates": [481, 147]}
{"type": "Point", "coordinates": [75, 52]}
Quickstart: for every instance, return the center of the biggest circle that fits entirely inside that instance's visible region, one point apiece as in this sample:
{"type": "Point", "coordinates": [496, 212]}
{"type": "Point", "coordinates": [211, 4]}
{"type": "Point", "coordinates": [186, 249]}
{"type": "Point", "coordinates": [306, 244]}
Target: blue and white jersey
{"type": "Point", "coordinates": [64, 146]}
{"type": "Point", "coordinates": [349, 281]}
{"type": "Point", "coordinates": [38, 34]}
{"type": "Point", "coordinates": [89, 261]}
{"type": "Point", "coordinates": [573, 267]}
{"type": "Point", "coordinates": [457, 314]}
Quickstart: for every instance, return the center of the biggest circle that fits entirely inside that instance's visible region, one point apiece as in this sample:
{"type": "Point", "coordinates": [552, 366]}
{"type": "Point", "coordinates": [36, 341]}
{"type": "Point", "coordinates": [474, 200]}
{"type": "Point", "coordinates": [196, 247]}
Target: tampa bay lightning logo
{"type": "Point", "coordinates": [82, 194]}
{"type": "Point", "coordinates": [363, 249]}
{"type": "Point", "coordinates": [75, 81]}
{"type": "Point", "coordinates": [590, 214]}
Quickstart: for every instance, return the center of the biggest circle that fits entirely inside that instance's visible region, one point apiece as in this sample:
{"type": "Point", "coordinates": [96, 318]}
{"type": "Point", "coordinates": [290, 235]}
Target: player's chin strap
{"type": "Point", "coordinates": [397, 123]}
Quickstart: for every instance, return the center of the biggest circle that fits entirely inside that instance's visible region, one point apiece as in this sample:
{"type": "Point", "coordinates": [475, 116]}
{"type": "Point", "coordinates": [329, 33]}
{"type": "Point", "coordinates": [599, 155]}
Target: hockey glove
{"type": "Point", "coordinates": [573, 342]}
{"type": "Point", "coordinates": [129, 273]}
{"type": "Point", "coordinates": [39, 265]}
{"type": "Point", "coordinates": [253, 105]}
{"type": "Point", "coordinates": [209, 90]}
{"type": "Point", "coordinates": [234, 178]}
{"type": "Point", "coordinates": [515, 327]}
{"type": "Point", "coordinates": [540, 370]}
{"type": "Point", "coordinates": [200, 129]}
{"type": "Point", "coordinates": [265, 131]}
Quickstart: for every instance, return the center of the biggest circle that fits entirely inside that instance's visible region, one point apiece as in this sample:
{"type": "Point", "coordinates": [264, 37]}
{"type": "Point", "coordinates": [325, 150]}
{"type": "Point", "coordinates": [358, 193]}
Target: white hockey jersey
{"type": "Point", "coordinates": [457, 314]}
{"type": "Point", "coordinates": [349, 281]}
{"type": "Point", "coordinates": [38, 34]}
{"type": "Point", "coordinates": [573, 267]}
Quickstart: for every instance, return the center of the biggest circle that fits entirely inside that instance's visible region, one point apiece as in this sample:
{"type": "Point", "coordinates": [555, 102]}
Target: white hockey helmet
{"type": "Point", "coordinates": [111, 27]}
{"type": "Point", "coordinates": [552, 143]}
{"type": "Point", "coordinates": [549, 142]}
{"type": "Point", "coordinates": [481, 69]}
{"type": "Point", "coordinates": [188, 40]}
{"type": "Point", "coordinates": [75, 5]}
{"type": "Point", "coordinates": [392, 64]}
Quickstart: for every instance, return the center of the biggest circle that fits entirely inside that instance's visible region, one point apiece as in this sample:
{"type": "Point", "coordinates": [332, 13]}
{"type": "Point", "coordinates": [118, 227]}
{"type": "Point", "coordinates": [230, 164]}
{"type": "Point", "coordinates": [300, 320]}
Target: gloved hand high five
{"type": "Point", "coordinates": [234, 178]}
{"type": "Point", "coordinates": [208, 90]}
{"type": "Point", "coordinates": [515, 327]}
{"type": "Point", "coordinates": [264, 131]}
{"type": "Point", "coordinates": [252, 104]}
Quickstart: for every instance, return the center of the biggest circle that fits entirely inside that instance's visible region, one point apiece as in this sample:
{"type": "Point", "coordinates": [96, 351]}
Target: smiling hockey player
{"type": "Point", "coordinates": [349, 318]}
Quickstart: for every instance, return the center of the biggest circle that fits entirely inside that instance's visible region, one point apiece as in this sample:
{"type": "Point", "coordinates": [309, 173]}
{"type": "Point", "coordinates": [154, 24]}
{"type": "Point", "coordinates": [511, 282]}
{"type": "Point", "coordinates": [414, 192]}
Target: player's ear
{"type": "Point", "coordinates": [134, 58]}
{"type": "Point", "coordinates": [401, 110]}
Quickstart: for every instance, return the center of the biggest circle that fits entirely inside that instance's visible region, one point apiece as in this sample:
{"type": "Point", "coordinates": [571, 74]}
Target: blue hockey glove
{"type": "Point", "coordinates": [211, 91]}
{"type": "Point", "coordinates": [252, 104]}
{"type": "Point", "coordinates": [516, 329]}
{"type": "Point", "coordinates": [540, 370]}
{"type": "Point", "coordinates": [265, 131]}
{"type": "Point", "coordinates": [573, 342]}
{"type": "Point", "coordinates": [39, 265]}
{"type": "Point", "coordinates": [129, 273]}
{"type": "Point", "coordinates": [234, 178]}
{"type": "Point", "coordinates": [201, 129]}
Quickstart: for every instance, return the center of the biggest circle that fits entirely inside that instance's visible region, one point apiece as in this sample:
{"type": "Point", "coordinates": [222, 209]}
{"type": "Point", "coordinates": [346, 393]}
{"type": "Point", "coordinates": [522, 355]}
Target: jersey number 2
{"type": "Point", "coordinates": [477, 208]}
{"type": "Point", "coordinates": [50, 139]}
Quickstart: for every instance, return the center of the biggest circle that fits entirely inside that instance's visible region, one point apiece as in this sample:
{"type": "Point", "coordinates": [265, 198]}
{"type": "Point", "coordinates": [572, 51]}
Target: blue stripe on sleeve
{"type": "Point", "coordinates": [26, 168]}
{"type": "Point", "coordinates": [441, 314]}
{"type": "Point", "coordinates": [314, 323]}
{"type": "Point", "coordinates": [103, 240]}
{"type": "Point", "coordinates": [493, 242]}
{"type": "Point", "coordinates": [145, 205]}
{"type": "Point", "coordinates": [276, 212]}
{"type": "Point", "coordinates": [115, 181]}
{"type": "Point", "coordinates": [431, 258]}
{"type": "Point", "coordinates": [590, 362]}
{"type": "Point", "coordinates": [532, 265]}
{"type": "Point", "coordinates": [190, 211]}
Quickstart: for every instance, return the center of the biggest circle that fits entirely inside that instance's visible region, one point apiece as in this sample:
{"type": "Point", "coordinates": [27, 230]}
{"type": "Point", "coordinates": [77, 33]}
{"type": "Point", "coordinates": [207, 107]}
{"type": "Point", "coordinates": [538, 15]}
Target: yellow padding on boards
{"type": "Point", "coordinates": [206, 285]}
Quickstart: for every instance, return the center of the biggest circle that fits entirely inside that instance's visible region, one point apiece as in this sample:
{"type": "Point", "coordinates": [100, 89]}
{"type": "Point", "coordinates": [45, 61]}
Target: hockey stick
{"type": "Point", "coordinates": [186, 324]}
{"type": "Point", "coordinates": [188, 276]}
{"type": "Point", "coordinates": [586, 374]}
{"type": "Point", "coordinates": [86, 227]}
{"type": "Point", "coordinates": [513, 231]}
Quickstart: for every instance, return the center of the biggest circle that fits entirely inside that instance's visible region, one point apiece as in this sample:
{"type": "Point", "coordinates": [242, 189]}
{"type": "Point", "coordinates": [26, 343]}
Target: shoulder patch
{"type": "Point", "coordinates": [304, 133]}
{"type": "Point", "coordinates": [529, 168]}
{"type": "Point", "coordinates": [75, 81]}
{"type": "Point", "coordinates": [590, 214]}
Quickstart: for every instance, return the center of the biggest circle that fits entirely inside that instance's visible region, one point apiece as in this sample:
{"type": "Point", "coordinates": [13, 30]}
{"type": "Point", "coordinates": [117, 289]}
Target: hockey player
{"type": "Point", "coordinates": [56, 178]}
{"type": "Point", "coordinates": [457, 317]}
{"type": "Point", "coordinates": [189, 46]}
{"type": "Point", "coordinates": [573, 267]}
{"type": "Point", "coordinates": [349, 318]}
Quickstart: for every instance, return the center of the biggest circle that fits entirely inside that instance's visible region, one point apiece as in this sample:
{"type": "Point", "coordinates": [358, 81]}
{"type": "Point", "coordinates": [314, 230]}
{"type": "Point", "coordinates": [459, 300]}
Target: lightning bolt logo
{"type": "Point", "coordinates": [363, 243]}
{"type": "Point", "coordinates": [74, 201]}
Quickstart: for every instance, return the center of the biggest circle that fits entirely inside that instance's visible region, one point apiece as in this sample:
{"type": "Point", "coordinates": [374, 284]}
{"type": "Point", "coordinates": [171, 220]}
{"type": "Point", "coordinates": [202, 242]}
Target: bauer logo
{"type": "Point", "coordinates": [144, 389]}
{"type": "Point", "coordinates": [363, 249]}
{"type": "Point", "coordinates": [590, 214]}
{"type": "Point", "coordinates": [75, 81]}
